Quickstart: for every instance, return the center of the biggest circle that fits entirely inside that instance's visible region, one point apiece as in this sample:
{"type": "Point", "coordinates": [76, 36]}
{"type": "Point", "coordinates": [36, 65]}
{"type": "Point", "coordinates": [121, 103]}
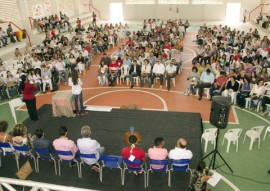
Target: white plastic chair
{"type": "Point", "coordinates": [124, 73]}
{"type": "Point", "coordinates": [232, 135]}
{"type": "Point", "coordinates": [254, 133]}
{"type": "Point", "coordinates": [209, 135]}
{"type": "Point", "coordinates": [111, 40]}
{"type": "Point", "coordinates": [267, 130]}
{"type": "Point", "coordinates": [13, 104]}
{"type": "Point", "coordinates": [206, 91]}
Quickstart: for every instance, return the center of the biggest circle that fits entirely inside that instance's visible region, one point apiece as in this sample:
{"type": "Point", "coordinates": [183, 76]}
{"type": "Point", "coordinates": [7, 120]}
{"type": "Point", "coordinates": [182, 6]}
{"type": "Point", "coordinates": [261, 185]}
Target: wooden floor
{"type": "Point", "coordinates": [144, 98]}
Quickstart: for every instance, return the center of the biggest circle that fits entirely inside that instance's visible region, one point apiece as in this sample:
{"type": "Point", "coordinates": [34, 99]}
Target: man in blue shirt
{"type": "Point", "coordinates": [206, 80]}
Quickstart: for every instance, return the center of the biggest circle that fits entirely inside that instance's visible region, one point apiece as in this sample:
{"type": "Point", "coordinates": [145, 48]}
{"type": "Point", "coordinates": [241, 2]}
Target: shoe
{"type": "Point", "coordinates": [95, 168]}
{"type": "Point", "coordinates": [199, 98]}
{"type": "Point", "coordinates": [135, 173]}
{"type": "Point", "coordinates": [131, 86]}
{"type": "Point", "coordinates": [84, 113]}
{"type": "Point", "coordinates": [160, 87]}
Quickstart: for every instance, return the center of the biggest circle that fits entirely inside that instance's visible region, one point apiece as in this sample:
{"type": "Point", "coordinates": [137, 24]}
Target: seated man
{"type": "Point", "coordinates": [46, 76]}
{"type": "Point", "coordinates": [60, 68]}
{"type": "Point", "coordinates": [206, 80]}
{"type": "Point", "coordinates": [180, 151]}
{"type": "Point", "coordinates": [40, 142]}
{"type": "Point", "coordinates": [87, 145]}
{"type": "Point", "coordinates": [146, 73]}
{"type": "Point", "coordinates": [113, 72]}
{"type": "Point", "coordinates": [219, 84]}
{"type": "Point", "coordinates": [231, 88]}
{"type": "Point", "coordinates": [132, 152]}
{"type": "Point", "coordinates": [65, 144]}
{"type": "Point", "coordinates": [158, 152]}
{"type": "Point", "coordinates": [135, 71]}
{"type": "Point", "coordinates": [158, 71]}
{"type": "Point", "coordinates": [170, 73]}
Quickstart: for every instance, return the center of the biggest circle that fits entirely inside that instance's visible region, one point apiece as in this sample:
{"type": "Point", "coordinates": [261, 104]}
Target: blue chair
{"type": "Point", "coordinates": [45, 154]}
{"type": "Point", "coordinates": [6, 148]}
{"type": "Point", "coordinates": [163, 163]}
{"type": "Point", "coordinates": [179, 165]}
{"type": "Point", "coordinates": [86, 156]}
{"type": "Point", "coordinates": [141, 167]}
{"type": "Point", "coordinates": [66, 153]}
{"type": "Point", "coordinates": [111, 162]}
{"type": "Point", "coordinates": [23, 152]}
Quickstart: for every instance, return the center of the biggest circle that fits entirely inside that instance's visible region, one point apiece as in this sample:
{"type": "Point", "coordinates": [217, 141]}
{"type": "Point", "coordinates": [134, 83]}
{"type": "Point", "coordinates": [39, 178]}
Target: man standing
{"type": "Point", "coordinates": [65, 144]}
{"type": "Point", "coordinates": [245, 14]}
{"type": "Point", "coordinates": [10, 33]}
{"type": "Point", "coordinates": [158, 152]}
{"type": "Point", "coordinates": [158, 71]}
{"type": "Point", "coordinates": [171, 73]}
{"type": "Point", "coordinates": [94, 19]}
{"type": "Point", "coordinates": [135, 71]}
{"type": "Point", "coordinates": [87, 145]}
{"type": "Point", "coordinates": [3, 37]}
{"type": "Point", "coordinates": [206, 80]}
{"type": "Point", "coordinates": [180, 151]}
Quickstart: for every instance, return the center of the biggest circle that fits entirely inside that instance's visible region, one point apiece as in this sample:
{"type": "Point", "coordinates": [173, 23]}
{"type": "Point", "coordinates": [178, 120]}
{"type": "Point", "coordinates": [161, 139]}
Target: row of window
{"type": "Point", "coordinates": [174, 1]}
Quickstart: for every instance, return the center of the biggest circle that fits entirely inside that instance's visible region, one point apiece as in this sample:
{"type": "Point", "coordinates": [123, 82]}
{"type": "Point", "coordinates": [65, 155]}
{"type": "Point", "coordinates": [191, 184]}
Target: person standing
{"type": "Point", "coordinates": [245, 14]}
{"type": "Point", "coordinates": [94, 19]}
{"type": "Point", "coordinates": [75, 82]}
{"type": "Point", "coordinates": [28, 95]}
{"type": "Point", "coordinates": [10, 34]}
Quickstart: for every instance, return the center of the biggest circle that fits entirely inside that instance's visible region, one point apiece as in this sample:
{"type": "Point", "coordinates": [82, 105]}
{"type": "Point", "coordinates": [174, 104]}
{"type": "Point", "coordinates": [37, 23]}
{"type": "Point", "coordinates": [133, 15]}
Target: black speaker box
{"type": "Point", "coordinates": [220, 111]}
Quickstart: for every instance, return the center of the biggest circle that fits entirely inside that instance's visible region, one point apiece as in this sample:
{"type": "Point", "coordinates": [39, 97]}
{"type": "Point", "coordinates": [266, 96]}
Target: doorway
{"type": "Point", "coordinates": [233, 12]}
{"type": "Point", "coordinates": [116, 12]}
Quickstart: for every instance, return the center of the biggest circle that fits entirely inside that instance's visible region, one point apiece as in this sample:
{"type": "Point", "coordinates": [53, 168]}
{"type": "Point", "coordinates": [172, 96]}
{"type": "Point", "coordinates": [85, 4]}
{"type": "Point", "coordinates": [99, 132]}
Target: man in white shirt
{"type": "Point", "coordinates": [170, 73]}
{"type": "Point", "coordinates": [180, 151]}
{"type": "Point", "coordinates": [36, 64]}
{"type": "Point", "coordinates": [146, 73]}
{"type": "Point", "coordinates": [46, 78]}
{"type": "Point", "coordinates": [3, 37]}
{"type": "Point", "coordinates": [60, 68]}
{"type": "Point", "coordinates": [158, 72]}
{"type": "Point", "coordinates": [86, 145]}
{"type": "Point", "coordinates": [206, 81]}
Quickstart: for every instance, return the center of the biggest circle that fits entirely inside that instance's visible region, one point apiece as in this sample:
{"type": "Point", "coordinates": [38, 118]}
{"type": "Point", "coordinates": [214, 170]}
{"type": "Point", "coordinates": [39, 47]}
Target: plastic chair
{"type": "Point", "coordinates": [111, 41]}
{"type": "Point", "coordinates": [178, 165]}
{"type": "Point", "coordinates": [23, 152]}
{"type": "Point", "coordinates": [86, 156]}
{"type": "Point", "coordinates": [66, 153]}
{"type": "Point", "coordinates": [267, 130]}
{"type": "Point", "coordinates": [140, 167]}
{"type": "Point", "coordinates": [164, 169]}
{"type": "Point", "coordinates": [209, 135]}
{"type": "Point", "coordinates": [206, 91]}
{"type": "Point", "coordinates": [13, 104]}
{"type": "Point", "coordinates": [111, 162]}
{"type": "Point", "coordinates": [232, 135]}
{"type": "Point", "coordinates": [6, 148]}
{"type": "Point", "coordinates": [254, 133]}
{"type": "Point", "coordinates": [45, 154]}
{"type": "Point", "coordinates": [124, 72]}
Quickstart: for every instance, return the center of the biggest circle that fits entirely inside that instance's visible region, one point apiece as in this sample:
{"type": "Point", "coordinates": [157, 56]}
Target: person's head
{"type": "Point", "coordinates": [134, 62]}
{"type": "Point", "coordinates": [194, 69]}
{"type": "Point", "coordinates": [132, 139]}
{"type": "Point", "coordinates": [39, 133]}
{"type": "Point", "coordinates": [181, 143]}
{"type": "Point", "coordinates": [19, 130]}
{"type": "Point", "coordinates": [85, 131]}
{"type": "Point", "coordinates": [159, 142]}
{"type": "Point", "coordinates": [201, 166]}
{"type": "Point", "coordinates": [158, 61]}
{"type": "Point", "coordinates": [253, 74]}
{"type": "Point", "coordinates": [208, 71]}
{"type": "Point", "coordinates": [62, 131]}
{"type": "Point", "coordinates": [146, 61]}
{"type": "Point", "coordinates": [222, 73]}
{"type": "Point", "coordinates": [246, 80]}
{"type": "Point", "coordinates": [260, 82]}
{"type": "Point", "coordinates": [232, 78]}
{"type": "Point", "coordinates": [3, 126]}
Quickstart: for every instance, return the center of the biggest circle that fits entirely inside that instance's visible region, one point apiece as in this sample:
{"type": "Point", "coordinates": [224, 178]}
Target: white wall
{"type": "Point", "coordinates": [191, 12]}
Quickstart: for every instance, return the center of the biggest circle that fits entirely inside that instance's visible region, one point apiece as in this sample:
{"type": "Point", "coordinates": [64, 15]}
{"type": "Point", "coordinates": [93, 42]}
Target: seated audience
{"type": "Point", "coordinates": [231, 88]}
{"type": "Point", "coordinates": [206, 81]}
{"type": "Point", "coordinates": [135, 71]}
{"type": "Point", "coordinates": [180, 151]}
{"type": "Point", "coordinates": [40, 142]}
{"type": "Point", "coordinates": [158, 152]}
{"type": "Point", "coordinates": [244, 92]}
{"type": "Point", "coordinates": [4, 136]}
{"type": "Point", "coordinates": [170, 73]}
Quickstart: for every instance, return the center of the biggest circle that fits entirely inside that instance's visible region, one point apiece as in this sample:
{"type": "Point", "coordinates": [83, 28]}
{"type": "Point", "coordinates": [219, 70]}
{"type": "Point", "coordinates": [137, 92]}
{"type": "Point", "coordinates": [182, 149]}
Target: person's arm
{"type": "Point", "coordinates": [70, 81]}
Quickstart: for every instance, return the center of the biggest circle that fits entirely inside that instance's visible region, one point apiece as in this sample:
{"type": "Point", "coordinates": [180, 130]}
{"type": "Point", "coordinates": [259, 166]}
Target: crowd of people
{"type": "Point", "coordinates": [232, 63]}
{"type": "Point", "coordinates": [19, 136]}
{"type": "Point", "coordinates": [8, 34]}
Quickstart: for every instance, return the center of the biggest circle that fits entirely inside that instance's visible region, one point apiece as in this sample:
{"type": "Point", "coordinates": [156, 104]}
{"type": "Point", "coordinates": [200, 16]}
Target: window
{"type": "Point", "coordinates": [116, 12]}
{"type": "Point", "coordinates": [207, 1]}
{"type": "Point", "coordinates": [173, 1]}
{"type": "Point", "coordinates": [233, 12]}
{"type": "Point", "coordinates": [140, 1]}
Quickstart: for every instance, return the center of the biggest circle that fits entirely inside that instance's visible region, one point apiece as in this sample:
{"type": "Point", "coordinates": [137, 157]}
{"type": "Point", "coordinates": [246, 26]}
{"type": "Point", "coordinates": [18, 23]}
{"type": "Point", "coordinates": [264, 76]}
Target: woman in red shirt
{"type": "Point", "coordinates": [28, 96]}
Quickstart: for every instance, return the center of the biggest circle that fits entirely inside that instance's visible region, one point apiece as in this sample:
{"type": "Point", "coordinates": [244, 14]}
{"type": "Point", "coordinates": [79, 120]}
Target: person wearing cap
{"type": "Point", "coordinates": [135, 71]}
{"type": "Point", "coordinates": [206, 81]}
{"type": "Point", "coordinates": [219, 84]}
{"type": "Point", "coordinates": [170, 73]}
{"type": "Point", "coordinates": [180, 151]}
{"type": "Point", "coordinates": [158, 72]}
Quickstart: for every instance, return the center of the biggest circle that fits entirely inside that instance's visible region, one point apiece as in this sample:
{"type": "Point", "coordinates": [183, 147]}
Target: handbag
{"type": "Point", "coordinates": [24, 171]}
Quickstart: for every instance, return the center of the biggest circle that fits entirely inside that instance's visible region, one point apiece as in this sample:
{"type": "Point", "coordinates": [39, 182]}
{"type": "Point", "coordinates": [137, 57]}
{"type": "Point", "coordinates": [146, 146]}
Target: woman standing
{"type": "Point", "coordinates": [29, 98]}
{"type": "Point", "coordinates": [75, 82]}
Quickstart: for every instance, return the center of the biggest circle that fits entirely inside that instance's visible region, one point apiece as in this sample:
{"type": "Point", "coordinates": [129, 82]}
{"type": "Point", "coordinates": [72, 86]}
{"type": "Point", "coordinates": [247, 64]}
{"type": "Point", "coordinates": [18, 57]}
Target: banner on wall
{"type": "Point", "coordinates": [47, 6]}
{"type": "Point", "coordinates": [37, 11]}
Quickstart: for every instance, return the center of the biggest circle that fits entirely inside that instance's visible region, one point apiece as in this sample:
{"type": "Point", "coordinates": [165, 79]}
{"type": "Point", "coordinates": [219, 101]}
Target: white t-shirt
{"type": "Point", "coordinates": [75, 89]}
{"type": "Point", "coordinates": [179, 153]}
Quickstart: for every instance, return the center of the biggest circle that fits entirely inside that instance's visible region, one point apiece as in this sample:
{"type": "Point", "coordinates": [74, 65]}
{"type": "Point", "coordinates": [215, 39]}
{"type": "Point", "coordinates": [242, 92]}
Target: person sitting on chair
{"type": "Point", "coordinates": [158, 152]}
{"type": "Point", "coordinates": [180, 151]}
{"type": "Point", "coordinates": [170, 73]}
{"type": "Point", "coordinates": [135, 71]}
{"type": "Point", "coordinates": [158, 72]}
{"type": "Point", "coordinates": [206, 81]}
{"type": "Point", "coordinates": [40, 142]}
{"type": "Point", "coordinates": [219, 85]}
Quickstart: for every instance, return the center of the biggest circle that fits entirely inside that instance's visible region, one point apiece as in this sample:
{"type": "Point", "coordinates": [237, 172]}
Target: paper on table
{"type": "Point", "coordinates": [214, 179]}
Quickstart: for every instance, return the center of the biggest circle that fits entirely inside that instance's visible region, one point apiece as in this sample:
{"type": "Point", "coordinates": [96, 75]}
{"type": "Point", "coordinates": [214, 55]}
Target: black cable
{"type": "Point", "coordinates": [238, 176]}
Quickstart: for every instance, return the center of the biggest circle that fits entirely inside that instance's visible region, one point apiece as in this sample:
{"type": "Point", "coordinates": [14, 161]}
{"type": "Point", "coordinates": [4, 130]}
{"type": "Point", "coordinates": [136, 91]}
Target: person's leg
{"type": "Point", "coordinates": [141, 81]}
{"type": "Point", "coordinates": [161, 79]}
{"type": "Point", "coordinates": [32, 110]}
{"type": "Point", "coordinates": [149, 80]}
{"type": "Point", "coordinates": [131, 80]}
{"type": "Point", "coordinates": [168, 78]}
{"type": "Point", "coordinates": [50, 84]}
{"type": "Point", "coordinates": [153, 78]}
{"type": "Point", "coordinates": [76, 103]}
{"type": "Point", "coordinates": [44, 86]}
{"type": "Point", "coordinates": [201, 86]}
{"type": "Point", "coordinates": [81, 103]}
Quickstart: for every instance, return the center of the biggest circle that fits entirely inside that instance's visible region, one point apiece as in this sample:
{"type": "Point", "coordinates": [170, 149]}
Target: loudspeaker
{"type": "Point", "coordinates": [220, 111]}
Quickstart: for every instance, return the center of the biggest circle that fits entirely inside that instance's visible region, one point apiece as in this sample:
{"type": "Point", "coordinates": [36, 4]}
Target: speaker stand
{"type": "Point", "coordinates": [214, 153]}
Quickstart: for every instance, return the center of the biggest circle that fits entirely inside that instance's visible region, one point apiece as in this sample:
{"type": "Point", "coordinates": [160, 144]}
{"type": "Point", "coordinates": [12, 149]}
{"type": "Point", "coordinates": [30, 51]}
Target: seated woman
{"type": "Point", "coordinates": [4, 137]}
{"type": "Point", "coordinates": [11, 84]}
{"type": "Point", "coordinates": [198, 178]}
{"type": "Point", "coordinates": [256, 93]}
{"type": "Point", "coordinates": [231, 88]}
{"type": "Point", "coordinates": [244, 92]}
{"type": "Point", "coordinates": [35, 78]}
{"type": "Point", "coordinates": [102, 73]}
{"type": "Point", "coordinates": [20, 137]}
{"type": "Point", "coordinates": [265, 100]}
{"type": "Point", "coordinates": [193, 81]}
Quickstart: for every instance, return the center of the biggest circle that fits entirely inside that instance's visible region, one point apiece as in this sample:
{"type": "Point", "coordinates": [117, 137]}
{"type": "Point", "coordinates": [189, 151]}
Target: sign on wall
{"type": "Point", "coordinates": [37, 11]}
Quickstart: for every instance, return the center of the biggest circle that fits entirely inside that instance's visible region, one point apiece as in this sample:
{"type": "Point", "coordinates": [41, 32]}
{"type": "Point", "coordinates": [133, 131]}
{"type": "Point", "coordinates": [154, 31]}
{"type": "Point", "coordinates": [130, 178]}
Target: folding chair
{"type": "Point", "coordinates": [45, 154]}
{"type": "Point", "coordinates": [23, 152]}
{"type": "Point", "coordinates": [152, 168]}
{"type": "Point", "coordinates": [6, 148]}
{"type": "Point", "coordinates": [86, 156]}
{"type": "Point", "coordinates": [179, 165]}
{"type": "Point", "coordinates": [111, 162]}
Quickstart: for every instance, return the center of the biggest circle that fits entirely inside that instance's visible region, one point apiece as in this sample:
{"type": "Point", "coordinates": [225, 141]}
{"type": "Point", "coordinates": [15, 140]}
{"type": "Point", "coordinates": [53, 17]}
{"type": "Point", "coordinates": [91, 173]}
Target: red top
{"type": "Point", "coordinates": [137, 153]}
{"type": "Point", "coordinates": [130, 43]}
{"type": "Point", "coordinates": [28, 92]}
{"type": "Point", "coordinates": [113, 67]}
{"type": "Point", "coordinates": [167, 46]}
{"type": "Point", "coordinates": [221, 80]}
{"type": "Point", "coordinates": [119, 63]}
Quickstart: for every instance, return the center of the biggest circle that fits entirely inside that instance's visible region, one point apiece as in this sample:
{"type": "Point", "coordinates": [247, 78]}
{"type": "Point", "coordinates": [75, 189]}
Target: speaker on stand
{"type": "Point", "coordinates": [219, 117]}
